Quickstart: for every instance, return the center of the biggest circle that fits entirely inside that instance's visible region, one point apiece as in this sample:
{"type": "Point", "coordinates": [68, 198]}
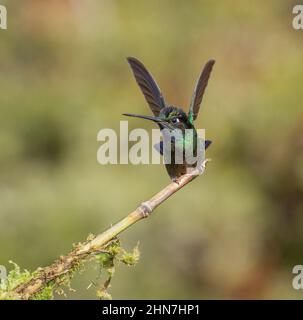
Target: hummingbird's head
{"type": "Point", "coordinates": [169, 118]}
{"type": "Point", "coordinates": [175, 118]}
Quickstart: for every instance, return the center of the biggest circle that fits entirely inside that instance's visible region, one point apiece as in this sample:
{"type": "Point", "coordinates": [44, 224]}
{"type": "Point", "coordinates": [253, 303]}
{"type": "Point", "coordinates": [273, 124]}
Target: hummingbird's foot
{"type": "Point", "coordinates": [176, 180]}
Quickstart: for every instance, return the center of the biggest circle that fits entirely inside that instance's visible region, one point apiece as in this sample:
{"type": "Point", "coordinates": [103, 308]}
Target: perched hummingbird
{"type": "Point", "coordinates": [171, 118]}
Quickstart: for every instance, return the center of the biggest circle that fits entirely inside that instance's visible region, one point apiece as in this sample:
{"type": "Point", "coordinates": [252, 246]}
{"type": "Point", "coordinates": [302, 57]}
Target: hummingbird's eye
{"type": "Point", "coordinates": [175, 120]}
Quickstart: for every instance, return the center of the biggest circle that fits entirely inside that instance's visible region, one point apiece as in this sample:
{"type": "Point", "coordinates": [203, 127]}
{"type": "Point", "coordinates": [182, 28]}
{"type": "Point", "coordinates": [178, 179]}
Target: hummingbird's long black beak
{"type": "Point", "coordinates": [161, 122]}
{"type": "Point", "coordinates": [155, 119]}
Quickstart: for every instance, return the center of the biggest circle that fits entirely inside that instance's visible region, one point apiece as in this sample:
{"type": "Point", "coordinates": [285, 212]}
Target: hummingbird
{"type": "Point", "coordinates": [171, 118]}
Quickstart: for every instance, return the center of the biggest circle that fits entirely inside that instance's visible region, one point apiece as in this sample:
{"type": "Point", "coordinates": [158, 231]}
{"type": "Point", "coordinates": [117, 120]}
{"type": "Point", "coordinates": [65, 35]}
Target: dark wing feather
{"type": "Point", "coordinates": [148, 86]}
{"type": "Point", "coordinates": [200, 89]}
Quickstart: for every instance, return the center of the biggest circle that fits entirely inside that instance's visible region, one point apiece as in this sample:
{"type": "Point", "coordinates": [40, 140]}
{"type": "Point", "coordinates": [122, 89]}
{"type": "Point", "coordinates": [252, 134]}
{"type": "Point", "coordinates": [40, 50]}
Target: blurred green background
{"type": "Point", "coordinates": [237, 231]}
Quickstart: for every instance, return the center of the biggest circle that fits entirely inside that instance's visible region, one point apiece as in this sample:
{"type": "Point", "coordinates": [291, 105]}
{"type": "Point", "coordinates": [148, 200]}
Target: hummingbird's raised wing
{"type": "Point", "coordinates": [148, 86]}
{"type": "Point", "coordinates": [199, 91]}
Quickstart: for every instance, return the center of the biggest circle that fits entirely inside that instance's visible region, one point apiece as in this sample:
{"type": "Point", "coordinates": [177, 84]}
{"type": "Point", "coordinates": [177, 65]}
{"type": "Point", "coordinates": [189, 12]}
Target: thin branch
{"type": "Point", "coordinates": [64, 264]}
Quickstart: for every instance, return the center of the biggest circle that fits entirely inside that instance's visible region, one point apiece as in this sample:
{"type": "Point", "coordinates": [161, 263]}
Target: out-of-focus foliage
{"type": "Point", "coordinates": [235, 232]}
